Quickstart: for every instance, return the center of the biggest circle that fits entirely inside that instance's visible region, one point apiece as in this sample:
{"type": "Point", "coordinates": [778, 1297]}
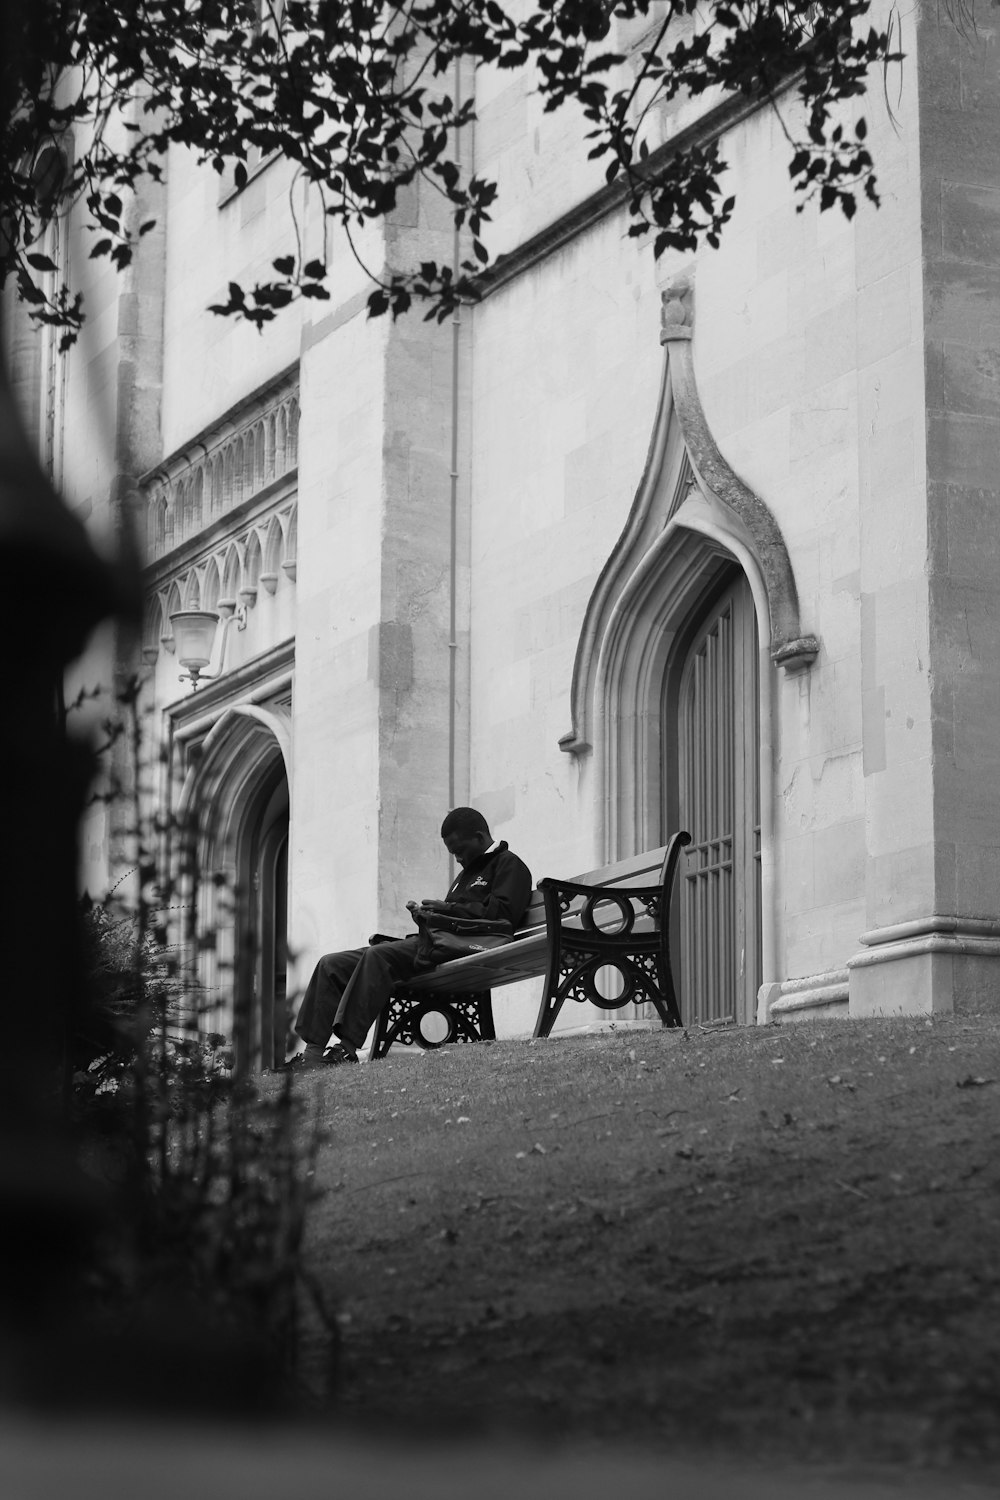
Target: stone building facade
{"type": "Point", "coordinates": [711, 542]}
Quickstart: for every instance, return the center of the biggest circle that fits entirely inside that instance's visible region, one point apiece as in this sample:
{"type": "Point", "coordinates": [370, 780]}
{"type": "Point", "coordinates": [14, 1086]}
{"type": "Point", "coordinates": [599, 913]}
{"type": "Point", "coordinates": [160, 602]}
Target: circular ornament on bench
{"type": "Point", "coordinates": [443, 1027]}
{"type": "Point", "coordinates": [607, 913]}
{"type": "Point", "coordinates": [609, 985]}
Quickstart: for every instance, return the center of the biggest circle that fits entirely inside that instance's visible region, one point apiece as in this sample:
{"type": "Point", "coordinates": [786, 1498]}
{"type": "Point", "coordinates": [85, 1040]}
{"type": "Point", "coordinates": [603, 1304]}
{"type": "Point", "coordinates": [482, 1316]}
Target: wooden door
{"type": "Point", "coordinates": [271, 882]}
{"type": "Point", "coordinates": [718, 760]}
{"type": "Point", "coordinates": [260, 1023]}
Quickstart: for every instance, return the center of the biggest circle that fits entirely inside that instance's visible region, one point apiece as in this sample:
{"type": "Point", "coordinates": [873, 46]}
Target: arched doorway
{"type": "Point", "coordinates": [711, 734]}
{"type": "Point", "coordinates": [684, 741]}
{"type": "Point", "coordinates": [657, 610]}
{"type": "Point", "coordinates": [260, 1020]}
{"type": "Point", "coordinates": [235, 801]}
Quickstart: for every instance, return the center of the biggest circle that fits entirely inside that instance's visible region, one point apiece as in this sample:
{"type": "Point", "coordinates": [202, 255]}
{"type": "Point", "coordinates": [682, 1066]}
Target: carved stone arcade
{"type": "Point", "coordinates": [221, 515]}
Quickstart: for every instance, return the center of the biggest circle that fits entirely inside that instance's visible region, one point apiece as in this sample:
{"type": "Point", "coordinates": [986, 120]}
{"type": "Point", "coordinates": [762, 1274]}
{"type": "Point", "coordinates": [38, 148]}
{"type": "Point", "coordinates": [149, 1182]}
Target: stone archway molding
{"type": "Point", "coordinates": [227, 757]}
{"type": "Point", "coordinates": [278, 721]}
{"type": "Point", "coordinates": [703, 467]}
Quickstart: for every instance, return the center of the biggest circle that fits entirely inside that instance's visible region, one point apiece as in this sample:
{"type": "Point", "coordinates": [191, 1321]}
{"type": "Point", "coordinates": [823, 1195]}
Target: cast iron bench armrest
{"type": "Point", "coordinates": [596, 929]}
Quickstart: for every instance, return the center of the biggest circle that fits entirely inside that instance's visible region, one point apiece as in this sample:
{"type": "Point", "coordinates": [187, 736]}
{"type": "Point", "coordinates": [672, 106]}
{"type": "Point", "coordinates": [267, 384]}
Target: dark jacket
{"type": "Point", "coordinates": [497, 885]}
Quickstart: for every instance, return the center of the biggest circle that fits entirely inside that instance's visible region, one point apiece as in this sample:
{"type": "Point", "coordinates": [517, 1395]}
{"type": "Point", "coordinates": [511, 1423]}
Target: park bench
{"type": "Point", "coordinates": [578, 933]}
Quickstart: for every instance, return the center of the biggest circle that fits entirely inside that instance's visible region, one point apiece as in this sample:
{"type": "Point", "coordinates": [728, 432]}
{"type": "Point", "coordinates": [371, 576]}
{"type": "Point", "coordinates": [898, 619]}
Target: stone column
{"type": "Point", "coordinates": [380, 712]}
{"type": "Point", "coordinates": [932, 631]}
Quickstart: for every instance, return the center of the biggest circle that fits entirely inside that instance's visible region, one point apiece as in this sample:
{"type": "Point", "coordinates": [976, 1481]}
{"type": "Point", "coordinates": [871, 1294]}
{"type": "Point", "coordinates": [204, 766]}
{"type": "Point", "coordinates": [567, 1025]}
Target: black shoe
{"type": "Point", "coordinates": [337, 1055]}
{"type": "Point", "coordinates": [307, 1061]}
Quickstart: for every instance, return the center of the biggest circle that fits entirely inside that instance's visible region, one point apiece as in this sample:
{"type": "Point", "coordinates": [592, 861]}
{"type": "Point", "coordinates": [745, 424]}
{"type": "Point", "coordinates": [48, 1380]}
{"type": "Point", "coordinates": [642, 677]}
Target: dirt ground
{"type": "Point", "coordinates": [774, 1245]}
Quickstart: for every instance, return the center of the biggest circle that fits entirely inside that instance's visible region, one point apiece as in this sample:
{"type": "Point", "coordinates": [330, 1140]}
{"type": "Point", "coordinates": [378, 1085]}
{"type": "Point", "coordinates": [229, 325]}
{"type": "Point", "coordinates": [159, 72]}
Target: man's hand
{"type": "Point", "coordinates": [418, 909]}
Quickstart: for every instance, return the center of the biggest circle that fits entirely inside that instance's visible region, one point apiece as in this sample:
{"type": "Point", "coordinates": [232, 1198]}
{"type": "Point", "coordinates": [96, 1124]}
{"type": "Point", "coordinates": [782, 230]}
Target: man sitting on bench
{"type": "Point", "coordinates": [347, 990]}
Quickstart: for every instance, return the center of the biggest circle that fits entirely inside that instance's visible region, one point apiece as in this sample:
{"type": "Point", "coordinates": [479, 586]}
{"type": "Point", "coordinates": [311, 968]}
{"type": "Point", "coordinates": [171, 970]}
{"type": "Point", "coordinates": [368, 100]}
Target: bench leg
{"type": "Point", "coordinates": [548, 1010]}
{"type": "Point", "coordinates": [380, 1042]}
{"type": "Point", "coordinates": [571, 976]}
{"type": "Point", "coordinates": [487, 1030]}
{"type": "Point", "coordinates": [470, 1019]}
{"type": "Point", "coordinates": [666, 1007]}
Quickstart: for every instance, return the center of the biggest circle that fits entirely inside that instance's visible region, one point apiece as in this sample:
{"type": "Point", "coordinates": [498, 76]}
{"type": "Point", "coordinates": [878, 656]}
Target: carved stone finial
{"type": "Point", "coordinates": [676, 310]}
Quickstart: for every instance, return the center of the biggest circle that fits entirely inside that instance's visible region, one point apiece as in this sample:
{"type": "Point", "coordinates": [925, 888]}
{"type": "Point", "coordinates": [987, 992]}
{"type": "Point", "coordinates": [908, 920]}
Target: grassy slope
{"type": "Point", "coordinates": [778, 1243]}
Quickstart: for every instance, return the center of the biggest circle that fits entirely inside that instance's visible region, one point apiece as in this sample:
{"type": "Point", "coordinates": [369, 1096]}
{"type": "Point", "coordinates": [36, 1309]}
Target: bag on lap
{"type": "Point", "coordinates": [443, 937]}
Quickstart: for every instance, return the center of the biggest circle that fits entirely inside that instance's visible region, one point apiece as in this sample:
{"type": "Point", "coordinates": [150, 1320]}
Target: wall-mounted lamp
{"type": "Point", "coordinates": [196, 632]}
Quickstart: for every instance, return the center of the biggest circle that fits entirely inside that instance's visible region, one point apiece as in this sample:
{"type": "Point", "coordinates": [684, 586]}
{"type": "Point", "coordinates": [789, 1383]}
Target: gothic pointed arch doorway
{"type": "Point", "coordinates": [711, 738]}
{"type": "Point", "coordinates": [235, 802]}
{"type": "Point", "coordinates": [260, 1022]}
{"type": "Point", "coordinates": [684, 732]}
{"type": "Point", "coordinates": [674, 686]}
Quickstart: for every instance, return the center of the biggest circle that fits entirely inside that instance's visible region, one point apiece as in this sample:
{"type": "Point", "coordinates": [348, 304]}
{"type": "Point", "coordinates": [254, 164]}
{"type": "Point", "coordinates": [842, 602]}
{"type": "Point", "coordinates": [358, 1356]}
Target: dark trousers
{"type": "Point", "coordinates": [347, 990]}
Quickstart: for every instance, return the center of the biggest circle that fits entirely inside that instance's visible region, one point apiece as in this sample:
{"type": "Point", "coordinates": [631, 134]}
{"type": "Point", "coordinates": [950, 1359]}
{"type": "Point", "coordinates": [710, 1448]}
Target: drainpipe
{"type": "Point", "coordinates": [456, 323]}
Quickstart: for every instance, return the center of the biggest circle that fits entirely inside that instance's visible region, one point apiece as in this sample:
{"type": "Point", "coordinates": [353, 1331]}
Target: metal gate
{"type": "Point", "coordinates": [718, 728]}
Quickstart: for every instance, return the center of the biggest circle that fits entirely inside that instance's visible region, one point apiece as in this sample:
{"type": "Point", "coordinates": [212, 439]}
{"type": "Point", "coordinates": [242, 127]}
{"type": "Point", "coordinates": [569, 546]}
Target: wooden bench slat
{"type": "Point", "coordinates": [631, 871]}
{"type": "Point", "coordinates": [522, 958]}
